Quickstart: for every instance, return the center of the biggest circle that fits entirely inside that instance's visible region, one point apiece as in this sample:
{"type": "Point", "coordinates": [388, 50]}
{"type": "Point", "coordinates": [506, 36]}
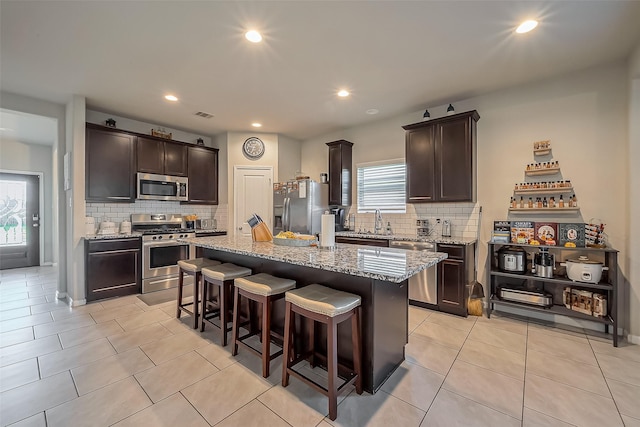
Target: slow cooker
{"type": "Point", "coordinates": [512, 259]}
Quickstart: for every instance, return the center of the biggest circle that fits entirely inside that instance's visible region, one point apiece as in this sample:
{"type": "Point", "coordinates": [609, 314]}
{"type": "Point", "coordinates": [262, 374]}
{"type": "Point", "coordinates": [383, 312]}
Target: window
{"type": "Point", "coordinates": [381, 185]}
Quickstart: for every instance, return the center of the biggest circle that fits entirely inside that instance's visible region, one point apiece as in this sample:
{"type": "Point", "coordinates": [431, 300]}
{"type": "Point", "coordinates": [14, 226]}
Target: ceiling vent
{"type": "Point", "coordinates": [203, 114]}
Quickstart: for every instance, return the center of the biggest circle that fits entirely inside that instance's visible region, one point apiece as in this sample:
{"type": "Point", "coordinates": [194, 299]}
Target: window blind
{"type": "Point", "coordinates": [382, 186]}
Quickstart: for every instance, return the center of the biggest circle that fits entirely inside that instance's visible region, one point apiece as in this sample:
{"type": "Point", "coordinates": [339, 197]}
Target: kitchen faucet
{"type": "Point", "coordinates": [377, 228]}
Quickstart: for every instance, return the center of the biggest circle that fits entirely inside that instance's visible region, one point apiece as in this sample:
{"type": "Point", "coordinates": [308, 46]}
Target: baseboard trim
{"type": "Point", "coordinates": [61, 295]}
{"type": "Point", "coordinates": [75, 303]}
{"type": "Point", "coordinates": [633, 339]}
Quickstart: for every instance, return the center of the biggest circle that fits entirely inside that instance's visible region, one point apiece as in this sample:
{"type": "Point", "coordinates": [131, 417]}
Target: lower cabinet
{"type": "Point", "coordinates": [113, 268]}
{"type": "Point", "coordinates": [454, 274]}
{"type": "Point", "coordinates": [200, 251]}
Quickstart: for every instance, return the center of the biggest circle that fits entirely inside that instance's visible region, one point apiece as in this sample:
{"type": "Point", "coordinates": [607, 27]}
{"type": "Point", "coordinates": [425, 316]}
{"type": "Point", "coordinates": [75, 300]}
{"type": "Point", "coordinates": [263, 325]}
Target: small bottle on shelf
{"type": "Point", "coordinates": [561, 202]}
{"type": "Point", "coordinates": [521, 205]}
{"type": "Point", "coordinates": [552, 202]}
{"type": "Point", "coordinates": [530, 204]}
{"type": "Point", "coordinates": [574, 201]}
{"type": "Point", "coordinates": [544, 203]}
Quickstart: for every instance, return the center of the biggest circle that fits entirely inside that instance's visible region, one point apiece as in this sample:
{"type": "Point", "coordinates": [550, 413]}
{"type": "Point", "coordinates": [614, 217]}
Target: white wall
{"type": "Point", "coordinates": [20, 156]}
{"type": "Point", "coordinates": [39, 107]}
{"type": "Point", "coordinates": [289, 159]}
{"type": "Point", "coordinates": [74, 200]}
{"type": "Point", "coordinates": [234, 141]}
{"type": "Point", "coordinates": [584, 114]}
{"type": "Point", "coordinates": [132, 125]}
{"type": "Point", "coordinates": [633, 254]}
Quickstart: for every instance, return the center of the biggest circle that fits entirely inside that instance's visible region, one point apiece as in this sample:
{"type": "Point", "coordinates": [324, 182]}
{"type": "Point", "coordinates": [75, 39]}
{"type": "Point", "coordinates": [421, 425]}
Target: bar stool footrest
{"type": "Point", "coordinates": [319, 387]}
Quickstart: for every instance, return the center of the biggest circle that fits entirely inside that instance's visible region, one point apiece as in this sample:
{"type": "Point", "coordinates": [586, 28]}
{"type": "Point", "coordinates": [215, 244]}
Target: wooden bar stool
{"type": "Point", "coordinates": [221, 276]}
{"type": "Point", "coordinates": [330, 307]}
{"type": "Point", "coordinates": [264, 289]}
{"type": "Point", "coordinates": [191, 267]}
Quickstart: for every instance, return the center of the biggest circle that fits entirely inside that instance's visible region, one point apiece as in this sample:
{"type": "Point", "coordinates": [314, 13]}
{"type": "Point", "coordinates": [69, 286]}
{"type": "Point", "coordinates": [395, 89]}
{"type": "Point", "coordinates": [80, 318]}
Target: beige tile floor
{"type": "Point", "coordinates": [121, 362]}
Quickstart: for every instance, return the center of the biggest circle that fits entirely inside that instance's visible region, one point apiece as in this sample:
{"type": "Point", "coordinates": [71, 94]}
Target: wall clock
{"type": "Point", "coordinates": [253, 148]}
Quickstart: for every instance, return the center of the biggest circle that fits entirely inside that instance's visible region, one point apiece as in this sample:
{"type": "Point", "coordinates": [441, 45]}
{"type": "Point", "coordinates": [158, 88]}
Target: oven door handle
{"type": "Point", "coordinates": [162, 244]}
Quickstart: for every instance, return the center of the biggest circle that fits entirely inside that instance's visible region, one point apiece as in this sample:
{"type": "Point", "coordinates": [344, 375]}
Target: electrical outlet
{"type": "Point", "coordinates": [437, 220]}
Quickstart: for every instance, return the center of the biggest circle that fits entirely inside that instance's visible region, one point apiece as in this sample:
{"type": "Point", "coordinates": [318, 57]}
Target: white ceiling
{"type": "Point", "coordinates": [394, 56]}
{"type": "Point", "coordinates": [29, 128]}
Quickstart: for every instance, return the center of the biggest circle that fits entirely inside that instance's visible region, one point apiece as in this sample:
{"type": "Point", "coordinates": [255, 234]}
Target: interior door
{"type": "Point", "coordinates": [19, 220]}
{"type": "Point", "coordinates": [253, 193]}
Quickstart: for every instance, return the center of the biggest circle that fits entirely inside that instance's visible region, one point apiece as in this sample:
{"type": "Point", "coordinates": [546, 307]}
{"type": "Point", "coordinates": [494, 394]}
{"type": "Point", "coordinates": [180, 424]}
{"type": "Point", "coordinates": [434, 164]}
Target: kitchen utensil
{"type": "Point", "coordinates": [108, 227]}
{"type": "Point", "coordinates": [476, 290]}
{"type": "Point", "coordinates": [125, 227]}
{"type": "Point", "coordinates": [446, 228]}
{"type": "Point", "coordinates": [90, 225]}
{"type": "Point", "coordinates": [584, 270]}
{"type": "Point", "coordinates": [544, 264]}
{"type": "Point", "coordinates": [208, 224]}
{"type": "Point", "coordinates": [512, 259]}
{"type": "Point", "coordinates": [527, 297]}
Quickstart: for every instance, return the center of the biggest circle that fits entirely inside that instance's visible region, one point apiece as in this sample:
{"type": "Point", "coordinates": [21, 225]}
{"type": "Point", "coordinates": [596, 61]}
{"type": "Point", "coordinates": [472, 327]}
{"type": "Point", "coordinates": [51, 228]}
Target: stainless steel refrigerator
{"type": "Point", "coordinates": [298, 206]}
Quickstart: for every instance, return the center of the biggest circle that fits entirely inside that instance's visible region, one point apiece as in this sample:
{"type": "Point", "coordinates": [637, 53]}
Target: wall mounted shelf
{"type": "Point", "coordinates": [545, 171]}
{"type": "Point", "coordinates": [542, 151]}
{"type": "Point", "coordinates": [561, 190]}
{"type": "Point", "coordinates": [543, 210]}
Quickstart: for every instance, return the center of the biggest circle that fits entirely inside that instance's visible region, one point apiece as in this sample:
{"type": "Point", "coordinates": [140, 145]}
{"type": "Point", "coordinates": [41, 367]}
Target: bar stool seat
{"type": "Point", "coordinates": [191, 267]}
{"type": "Point", "coordinates": [221, 275]}
{"type": "Point", "coordinates": [264, 289]}
{"type": "Point", "coordinates": [330, 307]}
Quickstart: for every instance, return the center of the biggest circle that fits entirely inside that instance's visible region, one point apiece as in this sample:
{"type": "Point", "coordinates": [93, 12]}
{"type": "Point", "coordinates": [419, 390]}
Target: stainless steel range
{"type": "Point", "coordinates": [161, 250]}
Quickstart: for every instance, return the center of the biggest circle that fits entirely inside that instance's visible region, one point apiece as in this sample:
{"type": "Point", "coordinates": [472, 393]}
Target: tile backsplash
{"type": "Point", "coordinates": [463, 217]}
{"type": "Point", "coordinates": [119, 212]}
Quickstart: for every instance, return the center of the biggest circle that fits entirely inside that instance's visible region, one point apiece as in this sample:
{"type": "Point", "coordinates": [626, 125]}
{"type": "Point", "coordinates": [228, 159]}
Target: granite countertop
{"type": "Point", "coordinates": [409, 237]}
{"type": "Point", "coordinates": [387, 264]}
{"type": "Point", "coordinates": [112, 236]}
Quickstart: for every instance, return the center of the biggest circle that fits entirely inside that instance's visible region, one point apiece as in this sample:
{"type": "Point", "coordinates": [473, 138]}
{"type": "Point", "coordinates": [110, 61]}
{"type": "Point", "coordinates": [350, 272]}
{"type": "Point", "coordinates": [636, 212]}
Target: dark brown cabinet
{"type": "Point", "coordinates": [161, 157]}
{"type": "Point", "coordinates": [112, 268]}
{"type": "Point", "coordinates": [441, 159]}
{"type": "Point", "coordinates": [340, 172]}
{"type": "Point", "coordinates": [383, 243]}
{"type": "Point", "coordinates": [454, 273]}
{"type": "Point", "coordinates": [110, 165]}
{"type": "Point", "coordinates": [203, 175]}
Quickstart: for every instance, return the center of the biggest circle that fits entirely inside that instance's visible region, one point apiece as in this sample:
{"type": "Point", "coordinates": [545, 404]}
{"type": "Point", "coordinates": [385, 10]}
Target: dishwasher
{"type": "Point", "coordinates": [423, 287]}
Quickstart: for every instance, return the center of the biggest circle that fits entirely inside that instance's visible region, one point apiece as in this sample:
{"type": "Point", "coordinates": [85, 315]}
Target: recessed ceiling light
{"type": "Point", "coordinates": [526, 26]}
{"type": "Point", "coordinates": [171, 98]}
{"type": "Point", "coordinates": [256, 125]}
{"type": "Point", "coordinates": [253, 36]}
{"type": "Point", "coordinates": [343, 93]}
{"type": "Point", "coordinates": [372, 111]}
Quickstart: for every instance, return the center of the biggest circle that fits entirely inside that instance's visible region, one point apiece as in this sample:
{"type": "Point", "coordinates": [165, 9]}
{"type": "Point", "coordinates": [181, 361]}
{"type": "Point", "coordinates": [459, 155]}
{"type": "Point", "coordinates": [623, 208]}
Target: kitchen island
{"type": "Point", "coordinates": [378, 275]}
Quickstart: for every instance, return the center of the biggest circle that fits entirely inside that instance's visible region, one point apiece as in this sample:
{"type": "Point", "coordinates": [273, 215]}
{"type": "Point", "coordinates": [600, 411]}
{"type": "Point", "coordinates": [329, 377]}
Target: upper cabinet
{"type": "Point", "coordinates": [203, 175]}
{"type": "Point", "coordinates": [161, 157]}
{"type": "Point", "coordinates": [114, 156]}
{"type": "Point", "coordinates": [441, 159]}
{"type": "Point", "coordinates": [340, 172]}
{"type": "Point", "coordinates": [110, 159]}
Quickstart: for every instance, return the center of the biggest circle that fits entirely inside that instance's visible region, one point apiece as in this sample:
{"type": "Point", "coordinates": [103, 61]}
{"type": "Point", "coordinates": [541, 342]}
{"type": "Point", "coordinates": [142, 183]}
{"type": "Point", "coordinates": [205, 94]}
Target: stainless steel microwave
{"type": "Point", "coordinates": [162, 187]}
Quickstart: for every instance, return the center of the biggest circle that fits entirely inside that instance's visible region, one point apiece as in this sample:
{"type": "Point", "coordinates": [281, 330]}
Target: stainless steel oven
{"type": "Point", "coordinates": [161, 250]}
{"type": "Point", "coordinates": [160, 260]}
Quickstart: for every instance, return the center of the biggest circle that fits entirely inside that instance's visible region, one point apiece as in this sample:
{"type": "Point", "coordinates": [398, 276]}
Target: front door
{"type": "Point", "coordinates": [19, 220]}
{"type": "Point", "coordinates": [253, 193]}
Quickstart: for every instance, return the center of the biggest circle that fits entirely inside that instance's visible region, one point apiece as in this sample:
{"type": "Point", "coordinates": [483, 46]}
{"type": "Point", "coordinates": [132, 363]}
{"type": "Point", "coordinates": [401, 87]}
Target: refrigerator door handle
{"type": "Point", "coordinates": [285, 215]}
